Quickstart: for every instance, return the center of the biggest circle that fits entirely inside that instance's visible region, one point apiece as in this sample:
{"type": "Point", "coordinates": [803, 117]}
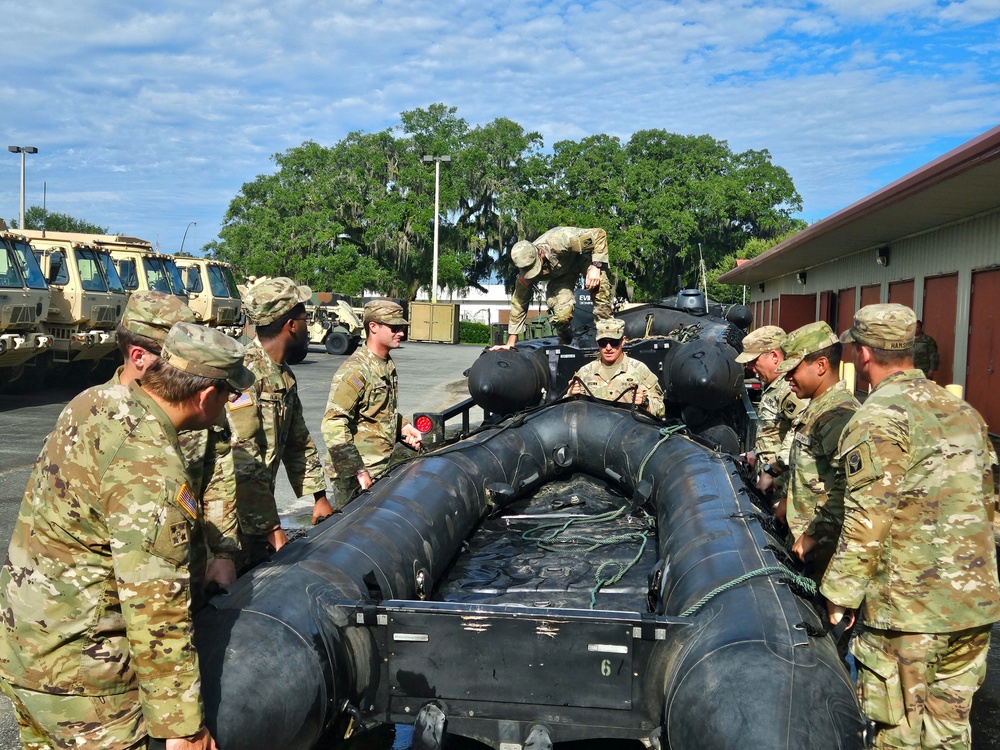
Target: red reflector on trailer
{"type": "Point", "coordinates": [424, 423]}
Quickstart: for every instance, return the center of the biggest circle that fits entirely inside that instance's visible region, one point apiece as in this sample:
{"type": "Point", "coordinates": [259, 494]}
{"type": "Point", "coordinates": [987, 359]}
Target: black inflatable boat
{"type": "Point", "coordinates": [574, 573]}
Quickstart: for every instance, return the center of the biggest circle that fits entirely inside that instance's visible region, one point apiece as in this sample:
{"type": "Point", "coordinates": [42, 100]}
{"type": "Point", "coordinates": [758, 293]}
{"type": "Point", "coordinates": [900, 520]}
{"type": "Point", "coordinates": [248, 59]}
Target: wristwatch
{"type": "Point", "coordinates": [600, 265]}
{"type": "Point", "coordinates": [768, 469]}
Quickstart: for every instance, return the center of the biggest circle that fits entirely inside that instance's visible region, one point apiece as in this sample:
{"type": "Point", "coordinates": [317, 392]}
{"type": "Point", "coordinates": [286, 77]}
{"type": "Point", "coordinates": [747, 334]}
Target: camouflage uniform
{"type": "Point", "coordinates": [267, 426]}
{"type": "Point", "coordinates": [916, 553]}
{"type": "Point", "coordinates": [816, 480]}
{"type": "Point", "coordinates": [777, 409]}
{"type": "Point", "coordinates": [207, 453]}
{"type": "Point", "coordinates": [569, 251]}
{"type": "Point", "coordinates": [94, 595]}
{"type": "Point", "coordinates": [925, 354]}
{"type": "Point", "coordinates": [362, 421]}
{"type": "Point", "coordinates": [267, 429]}
{"type": "Point", "coordinates": [618, 382]}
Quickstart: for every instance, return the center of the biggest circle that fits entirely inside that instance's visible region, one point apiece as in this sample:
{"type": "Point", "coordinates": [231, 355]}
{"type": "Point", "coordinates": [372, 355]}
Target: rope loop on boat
{"type": "Point", "coordinates": [667, 433]}
{"type": "Point", "coordinates": [546, 535]}
{"type": "Point", "coordinates": [805, 583]}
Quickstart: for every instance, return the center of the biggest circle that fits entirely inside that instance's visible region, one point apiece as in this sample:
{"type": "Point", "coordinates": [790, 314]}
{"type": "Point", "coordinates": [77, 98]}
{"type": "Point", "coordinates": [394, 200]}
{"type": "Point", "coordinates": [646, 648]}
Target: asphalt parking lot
{"type": "Point", "coordinates": [430, 377]}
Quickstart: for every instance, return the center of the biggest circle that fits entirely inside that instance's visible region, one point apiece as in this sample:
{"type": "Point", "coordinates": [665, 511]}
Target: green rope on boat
{"type": "Point", "coordinates": [807, 584]}
{"type": "Point", "coordinates": [666, 432]}
{"type": "Point", "coordinates": [546, 535]}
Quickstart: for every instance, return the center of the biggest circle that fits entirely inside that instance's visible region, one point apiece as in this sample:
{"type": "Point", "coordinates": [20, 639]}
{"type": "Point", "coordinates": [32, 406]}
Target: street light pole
{"type": "Point", "coordinates": [22, 150]}
{"type": "Point", "coordinates": [190, 224]}
{"type": "Point", "coordinates": [437, 193]}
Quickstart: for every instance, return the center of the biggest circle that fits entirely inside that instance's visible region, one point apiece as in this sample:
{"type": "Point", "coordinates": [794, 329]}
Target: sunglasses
{"type": "Point", "coordinates": [614, 343]}
{"type": "Point", "coordinates": [394, 329]}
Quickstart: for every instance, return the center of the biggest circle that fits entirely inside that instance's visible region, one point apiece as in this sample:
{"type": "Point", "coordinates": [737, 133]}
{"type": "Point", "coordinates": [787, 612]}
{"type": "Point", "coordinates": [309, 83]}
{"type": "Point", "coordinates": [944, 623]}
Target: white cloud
{"type": "Point", "coordinates": [148, 117]}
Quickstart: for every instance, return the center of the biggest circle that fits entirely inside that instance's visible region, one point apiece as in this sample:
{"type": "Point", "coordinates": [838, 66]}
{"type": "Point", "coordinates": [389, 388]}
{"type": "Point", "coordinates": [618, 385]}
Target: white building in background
{"type": "Point", "coordinates": [491, 306]}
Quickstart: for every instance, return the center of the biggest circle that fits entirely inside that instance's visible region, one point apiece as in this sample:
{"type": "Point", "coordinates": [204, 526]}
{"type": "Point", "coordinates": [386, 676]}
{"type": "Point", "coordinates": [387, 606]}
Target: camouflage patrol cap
{"type": "Point", "coordinates": [269, 299]}
{"type": "Point", "coordinates": [526, 258]}
{"type": "Point", "coordinates": [207, 352]}
{"type": "Point", "coordinates": [804, 341]}
{"type": "Point", "coordinates": [889, 326]}
{"type": "Point", "coordinates": [151, 314]}
{"type": "Point", "coordinates": [610, 328]}
{"type": "Point", "coordinates": [384, 311]}
{"type": "Point", "coordinates": [759, 341]}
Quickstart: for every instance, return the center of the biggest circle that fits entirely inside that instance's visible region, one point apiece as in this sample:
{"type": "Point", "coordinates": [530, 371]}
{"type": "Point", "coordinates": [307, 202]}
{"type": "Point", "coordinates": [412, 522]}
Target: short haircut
{"type": "Point", "coordinates": [128, 338]}
{"type": "Point", "coordinates": [893, 357]}
{"type": "Point", "coordinates": [272, 329]}
{"type": "Point", "coordinates": [174, 385]}
{"type": "Point", "coordinates": [833, 354]}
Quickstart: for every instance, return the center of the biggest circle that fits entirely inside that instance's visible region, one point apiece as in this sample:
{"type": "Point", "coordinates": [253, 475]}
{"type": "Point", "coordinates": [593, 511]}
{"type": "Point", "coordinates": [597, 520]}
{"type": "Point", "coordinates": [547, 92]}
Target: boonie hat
{"type": "Point", "coordinates": [610, 328]}
{"type": "Point", "coordinates": [526, 258]}
{"type": "Point", "coordinates": [384, 311]}
{"type": "Point", "coordinates": [206, 352]}
{"type": "Point", "coordinates": [804, 341]}
{"type": "Point", "coordinates": [267, 300]}
{"type": "Point", "coordinates": [888, 326]}
{"type": "Point", "coordinates": [759, 341]}
{"type": "Point", "coordinates": [151, 314]}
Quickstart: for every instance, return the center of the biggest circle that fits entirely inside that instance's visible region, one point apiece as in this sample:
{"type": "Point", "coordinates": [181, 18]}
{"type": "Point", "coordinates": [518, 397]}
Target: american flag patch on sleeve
{"type": "Point", "coordinates": [186, 500]}
{"type": "Point", "coordinates": [245, 399]}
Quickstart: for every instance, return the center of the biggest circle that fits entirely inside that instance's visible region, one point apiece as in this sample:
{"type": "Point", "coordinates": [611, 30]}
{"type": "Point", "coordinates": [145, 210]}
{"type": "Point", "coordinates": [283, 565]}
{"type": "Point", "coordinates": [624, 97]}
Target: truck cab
{"type": "Point", "coordinates": [212, 293]}
{"type": "Point", "coordinates": [87, 300]}
{"type": "Point", "coordinates": [24, 306]}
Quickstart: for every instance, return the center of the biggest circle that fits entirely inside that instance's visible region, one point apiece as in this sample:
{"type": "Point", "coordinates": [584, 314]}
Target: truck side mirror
{"type": "Point", "coordinates": [56, 262]}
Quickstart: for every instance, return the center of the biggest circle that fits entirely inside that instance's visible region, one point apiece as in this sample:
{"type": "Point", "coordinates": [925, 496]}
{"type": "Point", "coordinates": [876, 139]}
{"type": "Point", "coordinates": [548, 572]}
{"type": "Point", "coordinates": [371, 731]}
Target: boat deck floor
{"type": "Point", "coordinates": [502, 563]}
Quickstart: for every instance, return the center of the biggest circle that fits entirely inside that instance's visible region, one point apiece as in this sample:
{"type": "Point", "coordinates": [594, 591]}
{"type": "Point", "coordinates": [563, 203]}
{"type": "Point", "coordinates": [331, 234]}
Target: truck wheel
{"type": "Point", "coordinates": [337, 343]}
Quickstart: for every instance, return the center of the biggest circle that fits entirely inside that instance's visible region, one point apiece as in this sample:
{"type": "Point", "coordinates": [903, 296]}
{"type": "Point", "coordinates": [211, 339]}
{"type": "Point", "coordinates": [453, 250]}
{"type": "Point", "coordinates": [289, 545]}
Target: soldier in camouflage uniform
{"type": "Point", "coordinates": [916, 553]}
{"type": "Point", "coordinates": [815, 510]}
{"type": "Point", "coordinates": [925, 352]}
{"type": "Point", "coordinates": [615, 376]}
{"type": "Point", "coordinates": [266, 423]}
{"type": "Point", "coordinates": [97, 644]}
{"type": "Point", "coordinates": [560, 256]}
{"type": "Point", "coordinates": [142, 330]}
{"type": "Point", "coordinates": [362, 421]}
{"type": "Point", "coordinates": [777, 409]}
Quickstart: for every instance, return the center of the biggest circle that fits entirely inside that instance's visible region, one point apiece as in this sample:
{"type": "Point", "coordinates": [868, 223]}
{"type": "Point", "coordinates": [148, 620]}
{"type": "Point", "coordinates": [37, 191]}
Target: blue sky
{"type": "Point", "coordinates": [150, 115]}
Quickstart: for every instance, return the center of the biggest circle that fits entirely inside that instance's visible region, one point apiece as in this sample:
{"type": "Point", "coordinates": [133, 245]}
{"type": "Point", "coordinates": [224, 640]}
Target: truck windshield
{"type": "Point", "coordinates": [157, 278]}
{"type": "Point", "coordinates": [114, 280]}
{"type": "Point", "coordinates": [234, 291]}
{"type": "Point", "coordinates": [192, 280]}
{"type": "Point", "coordinates": [176, 282]}
{"type": "Point", "coordinates": [10, 269]}
{"type": "Point", "coordinates": [91, 278]}
{"type": "Point", "coordinates": [29, 266]}
{"type": "Point", "coordinates": [217, 279]}
{"type": "Point", "coordinates": [126, 272]}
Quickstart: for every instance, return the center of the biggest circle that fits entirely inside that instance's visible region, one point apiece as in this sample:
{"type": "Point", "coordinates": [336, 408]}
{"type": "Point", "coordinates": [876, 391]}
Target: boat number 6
{"type": "Point", "coordinates": [606, 667]}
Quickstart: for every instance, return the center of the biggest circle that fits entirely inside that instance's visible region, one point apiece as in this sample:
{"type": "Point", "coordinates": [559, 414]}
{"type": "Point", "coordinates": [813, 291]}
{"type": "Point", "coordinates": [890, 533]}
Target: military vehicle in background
{"type": "Point", "coordinates": [334, 324]}
{"type": "Point", "coordinates": [24, 306]}
{"type": "Point", "coordinates": [212, 293]}
{"type": "Point", "coordinates": [87, 301]}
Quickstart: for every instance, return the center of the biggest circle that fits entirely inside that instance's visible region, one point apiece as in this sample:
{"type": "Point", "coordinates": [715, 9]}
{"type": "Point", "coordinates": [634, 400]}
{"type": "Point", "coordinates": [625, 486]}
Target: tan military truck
{"type": "Point", "coordinates": [24, 306]}
{"type": "Point", "coordinates": [87, 301]}
{"type": "Point", "coordinates": [212, 293]}
{"type": "Point", "coordinates": [334, 325]}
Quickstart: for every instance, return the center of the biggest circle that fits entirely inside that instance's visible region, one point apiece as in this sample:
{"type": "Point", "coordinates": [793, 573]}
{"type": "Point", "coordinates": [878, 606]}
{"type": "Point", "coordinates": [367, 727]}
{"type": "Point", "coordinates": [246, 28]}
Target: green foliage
{"type": "Point", "coordinates": [470, 332]}
{"type": "Point", "coordinates": [729, 293]}
{"type": "Point", "coordinates": [360, 214]}
{"type": "Point", "coordinates": [37, 217]}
